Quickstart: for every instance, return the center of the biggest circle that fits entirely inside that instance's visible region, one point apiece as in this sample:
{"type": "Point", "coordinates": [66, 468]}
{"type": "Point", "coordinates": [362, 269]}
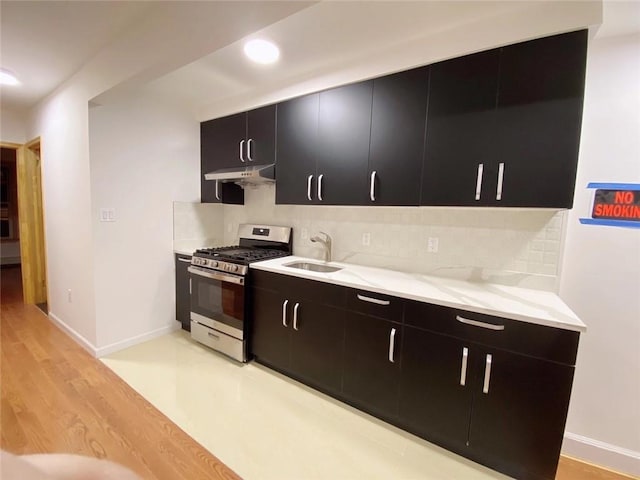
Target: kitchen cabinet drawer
{"type": "Point", "coordinates": [217, 340]}
{"type": "Point", "coordinates": [375, 304]}
{"type": "Point", "coordinates": [540, 341]}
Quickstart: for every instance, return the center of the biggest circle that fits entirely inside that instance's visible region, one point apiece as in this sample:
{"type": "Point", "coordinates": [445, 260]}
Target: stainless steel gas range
{"type": "Point", "coordinates": [218, 279]}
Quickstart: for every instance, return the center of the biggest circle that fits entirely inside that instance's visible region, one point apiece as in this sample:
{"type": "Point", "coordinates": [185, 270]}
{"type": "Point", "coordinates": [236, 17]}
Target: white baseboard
{"type": "Point", "coordinates": [602, 454]}
{"type": "Point", "coordinates": [84, 343]}
{"type": "Point", "coordinates": [114, 347]}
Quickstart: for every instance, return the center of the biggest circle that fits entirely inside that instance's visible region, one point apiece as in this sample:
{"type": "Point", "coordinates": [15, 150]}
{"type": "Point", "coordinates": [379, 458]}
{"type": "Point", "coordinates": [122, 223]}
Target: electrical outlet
{"type": "Point", "coordinates": [366, 239]}
{"type": "Point", "coordinates": [69, 295]}
{"type": "Point", "coordinates": [432, 245]}
{"type": "Point", "coordinates": [304, 234]}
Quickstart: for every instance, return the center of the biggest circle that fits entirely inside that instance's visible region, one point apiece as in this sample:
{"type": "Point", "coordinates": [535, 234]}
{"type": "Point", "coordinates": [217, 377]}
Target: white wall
{"type": "Point", "coordinates": [144, 154]}
{"type": "Point", "coordinates": [62, 124]}
{"type": "Point", "coordinates": [12, 126]}
{"type": "Point", "coordinates": [600, 277]}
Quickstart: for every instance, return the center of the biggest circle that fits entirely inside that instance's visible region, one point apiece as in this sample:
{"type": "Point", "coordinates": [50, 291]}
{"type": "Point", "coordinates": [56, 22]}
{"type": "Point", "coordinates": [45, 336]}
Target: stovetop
{"type": "Point", "coordinates": [238, 254]}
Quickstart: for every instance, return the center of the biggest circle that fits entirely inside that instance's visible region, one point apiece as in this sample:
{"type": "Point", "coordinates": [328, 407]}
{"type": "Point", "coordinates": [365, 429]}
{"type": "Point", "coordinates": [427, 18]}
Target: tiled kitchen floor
{"type": "Point", "coordinates": [266, 426]}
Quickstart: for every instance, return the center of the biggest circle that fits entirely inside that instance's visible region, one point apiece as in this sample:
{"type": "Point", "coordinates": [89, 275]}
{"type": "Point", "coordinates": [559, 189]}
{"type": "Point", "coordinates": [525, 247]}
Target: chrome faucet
{"type": "Point", "coordinates": [326, 243]}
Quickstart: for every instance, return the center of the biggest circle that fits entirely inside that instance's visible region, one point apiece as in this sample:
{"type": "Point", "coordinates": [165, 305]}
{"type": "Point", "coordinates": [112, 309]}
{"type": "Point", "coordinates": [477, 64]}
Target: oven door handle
{"type": "Point", "coordinates": [216, 276]}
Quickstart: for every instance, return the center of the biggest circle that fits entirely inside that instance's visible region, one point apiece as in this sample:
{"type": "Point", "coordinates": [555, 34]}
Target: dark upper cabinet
{"type": "Point", "coordinates": [344, 131]}
{"type": "Point", "coordinates": [460, 130]}
{"type": "Point", "coordinates": [260, 146]}
{"type": "Point", "coordinates": [323, 147]}
{"type": "Point", "coordinates": [183, 291]}
{"type": "Point", "coordinates": [397, 138]}
{"type": "Point", "coordinates": [238, 140]}
{"type": "Point", "coordinates": [539, 116]}
{"type": "Point", "coordinates": [297, 138]}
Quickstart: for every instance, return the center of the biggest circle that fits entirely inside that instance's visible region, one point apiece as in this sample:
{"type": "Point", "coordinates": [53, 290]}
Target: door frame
{"type": "Point", "coordinates": [31, 221]}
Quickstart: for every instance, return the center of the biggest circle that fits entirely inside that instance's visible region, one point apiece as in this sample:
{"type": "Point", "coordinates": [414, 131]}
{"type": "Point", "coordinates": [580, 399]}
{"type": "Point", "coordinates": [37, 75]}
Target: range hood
{"type": "Point", "coordinates": [249, 175]}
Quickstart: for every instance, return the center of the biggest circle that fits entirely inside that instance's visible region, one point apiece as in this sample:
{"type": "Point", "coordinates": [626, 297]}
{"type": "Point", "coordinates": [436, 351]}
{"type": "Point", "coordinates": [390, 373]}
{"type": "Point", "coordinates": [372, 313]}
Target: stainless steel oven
{"type": "Point", "coordinates": [218, 295]}
{"type": "Point", "coordinates": [217, 310]}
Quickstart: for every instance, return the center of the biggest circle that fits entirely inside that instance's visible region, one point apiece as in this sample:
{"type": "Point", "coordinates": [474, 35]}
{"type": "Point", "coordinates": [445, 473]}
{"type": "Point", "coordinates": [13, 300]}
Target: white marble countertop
{"type": "Point", "coordinates": [517, 303]}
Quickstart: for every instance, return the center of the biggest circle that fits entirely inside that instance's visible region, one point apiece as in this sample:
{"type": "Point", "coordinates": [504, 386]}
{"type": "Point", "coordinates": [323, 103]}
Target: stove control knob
{"type": "Point", "coordinates": [213, 263]}
{"type": "Point", "coordinates": [234, 268]}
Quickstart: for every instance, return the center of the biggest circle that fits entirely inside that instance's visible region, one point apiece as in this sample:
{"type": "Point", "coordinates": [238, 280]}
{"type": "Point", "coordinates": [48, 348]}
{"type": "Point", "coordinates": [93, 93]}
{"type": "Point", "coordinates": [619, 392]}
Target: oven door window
{"type": "Point", "coordinates": [218, 300]}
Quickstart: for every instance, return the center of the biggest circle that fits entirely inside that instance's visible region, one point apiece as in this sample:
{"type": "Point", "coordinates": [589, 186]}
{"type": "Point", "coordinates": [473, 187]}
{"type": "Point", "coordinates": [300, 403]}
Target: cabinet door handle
{"type": "Point", "coordinates": [295, 316]}
{"type": "Point", "coordinates": [463, 368]}
{"type": "Point", "coordinates": [249, 142]}
{"type": "Point", "coordinates": [189, 286]}
{"type": "Point", "coordinates": [185, 260]}
{"type": "Point", "coordinates": [213, 336]}
{"type": "Point", "coordinates": [372, 189]}
{"type": "Point", "coordinates": [487, 373]}
{"type": "Point", "coordinates": [377, 301]}
{"type": "Point", "coordinates": [320, 187]}
{"type": "Point", "coordinates": [309, 178]}
{"type": "Point", "coordinates": [479, 181]}
{"type": "Point", "coordinates": [392, 344]}
{"type": "Point", "coordinates": [241, 150]}
{"type": "Point", "coordinates": [217, 190]}
{"type": "Point", "coordinates": [476, 323]}
{"type": "Point", "coordinates": [500, 179]}
{"type": "Point", "coordinates": [284, 313]}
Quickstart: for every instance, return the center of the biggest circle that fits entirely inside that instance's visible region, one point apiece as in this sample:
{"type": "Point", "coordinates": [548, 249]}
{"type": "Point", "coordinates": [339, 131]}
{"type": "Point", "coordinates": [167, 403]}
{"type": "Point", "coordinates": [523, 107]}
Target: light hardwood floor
{"type": "Point", "coordinates": [56, 398]}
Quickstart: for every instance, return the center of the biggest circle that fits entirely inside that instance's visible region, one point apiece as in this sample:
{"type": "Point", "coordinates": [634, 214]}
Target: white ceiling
{"type": "Point", "coordinates": [46, 42]}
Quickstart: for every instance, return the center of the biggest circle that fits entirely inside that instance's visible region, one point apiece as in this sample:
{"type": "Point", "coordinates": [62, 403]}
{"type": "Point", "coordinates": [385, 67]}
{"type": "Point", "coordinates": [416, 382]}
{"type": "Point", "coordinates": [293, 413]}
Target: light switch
{"type": "Point", "coordinates": [107, 214]}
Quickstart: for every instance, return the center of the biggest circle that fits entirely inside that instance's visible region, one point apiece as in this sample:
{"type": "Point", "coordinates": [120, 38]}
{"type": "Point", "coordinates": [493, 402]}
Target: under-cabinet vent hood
{"type": "Point", "coordinates": [249, 175]}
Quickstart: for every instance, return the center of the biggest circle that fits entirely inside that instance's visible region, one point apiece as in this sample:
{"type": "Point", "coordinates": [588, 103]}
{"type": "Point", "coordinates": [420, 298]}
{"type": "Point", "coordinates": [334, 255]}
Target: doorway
{"type": "Point", "coordinates": [30, 223]}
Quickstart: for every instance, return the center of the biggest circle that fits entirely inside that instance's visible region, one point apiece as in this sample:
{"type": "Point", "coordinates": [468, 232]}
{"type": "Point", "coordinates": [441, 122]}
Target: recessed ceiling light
{"type": "Point", "coordinates": [261, 51]}
{"type": "Point", "coordinates": [8, 78]}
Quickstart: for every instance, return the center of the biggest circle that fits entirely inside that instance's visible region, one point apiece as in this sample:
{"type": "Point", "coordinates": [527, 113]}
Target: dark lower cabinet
{"type": "Point", "coordinates": [317, 333]}
{"type": "Point", "coordinates": [295, 333]}
{"type": "Point", "coordinates": [183, 291]}
{"type": "Point", "coordinates": [519, 409]}
{"type": "Point", "coordinates": [372, 364]}
{"type": "Point", "coordinates": [434, 403]}
{"type": "Point", "coordinates": [491, 389]}
{"type": "Point", "coordinates": [499, 408]}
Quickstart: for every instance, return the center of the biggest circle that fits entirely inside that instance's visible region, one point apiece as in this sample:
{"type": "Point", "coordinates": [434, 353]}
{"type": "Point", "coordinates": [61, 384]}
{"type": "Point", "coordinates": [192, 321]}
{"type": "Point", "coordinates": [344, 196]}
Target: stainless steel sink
{"type": "Point", "coordinates": [313, 267]}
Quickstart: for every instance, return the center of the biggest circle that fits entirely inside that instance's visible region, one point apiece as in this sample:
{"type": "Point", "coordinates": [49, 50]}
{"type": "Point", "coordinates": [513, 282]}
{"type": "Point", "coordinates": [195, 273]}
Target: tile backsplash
{"type": "Point", "coordinates": [197, 225]}
{"type": "Point", "coordinates": [514, 247]}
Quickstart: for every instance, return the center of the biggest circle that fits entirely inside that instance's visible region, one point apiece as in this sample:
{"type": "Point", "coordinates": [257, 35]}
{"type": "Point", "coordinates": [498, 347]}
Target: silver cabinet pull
{"type": "Point", "coordinates": [463, 368]}
{"type": "Point", "coordinates": [372, 188]}
{"type": "Point", "coordinates": [217, 190]}
{"type": "Point", "coordinates": [487, 373]}
{"type": "Point", "coordinates": [476, 323]}
{"type": "Point", "coordinates": [392, 344]}
{"type": "Point", "coordinates": [373, 300]}
{"type": "Point", "coordinates": [500, 179]}
{"type": "Point", "coordinates": [213, 336]}
{"type": "Point", "coordinates": [320, 187]}
{"type": "Point", "coordinates": [479, 181]}
{"type": "Point", "coordinates": [185, 260]}
{"type": "Point", "coordinates": [189, 286]}
{"type": "Point", "coordinates": [284, 313]}
{"type": "Point", "coordinates": [249, 142]}
{"type": "Point", "coordinates": [295, 316]}
{"type": "Point", "coordinates": [241, 149]}
{"type": "Point", "coordinates": [309, 178]}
